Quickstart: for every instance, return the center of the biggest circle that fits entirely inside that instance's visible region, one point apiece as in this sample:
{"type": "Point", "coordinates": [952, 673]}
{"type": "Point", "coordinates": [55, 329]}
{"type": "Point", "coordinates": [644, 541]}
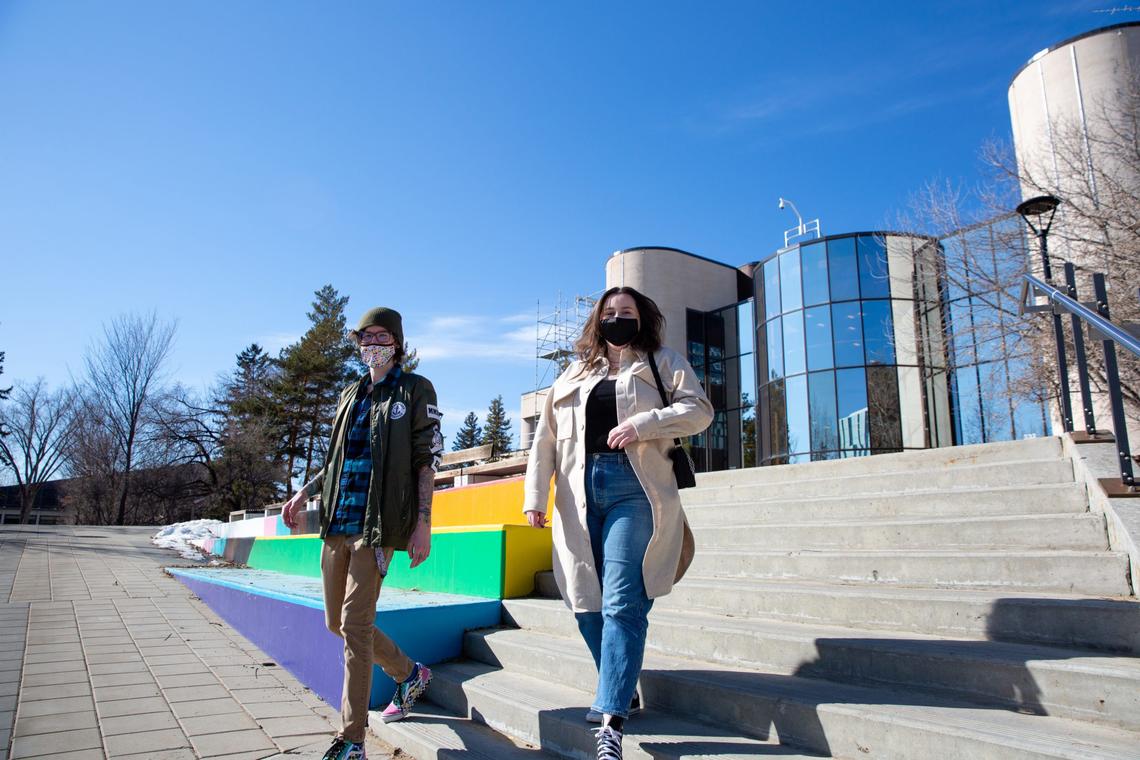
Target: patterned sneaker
{"type": "Point", "coordinates": [407, 693]}
{"type": "Point", "coordinates": [593, 716]}
{"type": "Point", "coordinates": [342, 750]}
{"type": "Point", "coordinates": [609, 743]}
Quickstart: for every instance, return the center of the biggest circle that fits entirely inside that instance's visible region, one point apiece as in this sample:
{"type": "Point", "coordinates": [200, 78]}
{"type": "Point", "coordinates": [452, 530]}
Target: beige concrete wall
{"type": "Point", "coordinates": [676, 281]}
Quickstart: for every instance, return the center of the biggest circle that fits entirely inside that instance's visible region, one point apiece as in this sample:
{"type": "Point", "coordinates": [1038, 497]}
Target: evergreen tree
{"type": "Point", "coordinates": [411, 359]}
{"type": "Point", "coordinates": [497, 429]}
{"type": "Point", "coordinates": [470, 435]}
{"type": "Point", "coordinates": [313, 372]}
{"type": "Point", "coordinates": [3, 393]}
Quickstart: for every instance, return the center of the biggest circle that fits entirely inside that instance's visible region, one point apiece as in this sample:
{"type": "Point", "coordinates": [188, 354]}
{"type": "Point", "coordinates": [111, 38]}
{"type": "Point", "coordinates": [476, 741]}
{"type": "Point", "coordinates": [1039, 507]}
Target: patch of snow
{"type": "Point", "coordinates": [182, 537]}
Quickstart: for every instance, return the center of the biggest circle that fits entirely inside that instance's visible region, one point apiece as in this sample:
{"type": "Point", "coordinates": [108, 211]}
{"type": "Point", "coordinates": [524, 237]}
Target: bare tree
{"type": "Point", "coordinates": [36, 422]}
{"type": "Point", "coordinates": [124, 375]}
{"type": "Point", "coordinates": [1094, 169]}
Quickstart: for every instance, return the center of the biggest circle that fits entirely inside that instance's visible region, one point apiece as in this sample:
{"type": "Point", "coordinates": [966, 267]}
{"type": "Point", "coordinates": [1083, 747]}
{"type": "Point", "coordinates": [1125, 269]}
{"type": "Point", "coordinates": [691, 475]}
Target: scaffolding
{"type": "Point", "coordinates": [555, 333]}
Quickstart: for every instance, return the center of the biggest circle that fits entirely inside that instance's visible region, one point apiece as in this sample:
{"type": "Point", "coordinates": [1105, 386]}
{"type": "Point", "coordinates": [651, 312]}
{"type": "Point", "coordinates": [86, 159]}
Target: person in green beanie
{"type": "Point", "coordinates": [376, 492]}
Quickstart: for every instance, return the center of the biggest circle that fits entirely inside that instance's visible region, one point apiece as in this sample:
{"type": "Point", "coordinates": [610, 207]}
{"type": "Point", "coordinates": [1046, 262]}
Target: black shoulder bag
{"type": "Point", "coordinates": [682, 464]}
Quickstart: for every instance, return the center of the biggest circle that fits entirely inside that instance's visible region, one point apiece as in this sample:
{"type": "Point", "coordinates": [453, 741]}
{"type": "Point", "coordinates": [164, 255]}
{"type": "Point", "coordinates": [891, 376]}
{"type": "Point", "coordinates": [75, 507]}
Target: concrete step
{"type": "Point", "coordinates": [1105, 624]}
{"type": "Point", "coordinates": [923, 460]}
{"type": "Point", "coordinates": [1054, 498]}
{"type": "Point", "coordinates": [820, 716]}
{"type": "Point", "coordinates": [1067, 683]}
{"type": "Point", "coordinates": [1067, 531]}
{"type": "Point", "coordinates": [431, 733]}
{"type": "Point", "coordinates": [547, 714]}
{"type": "Point", "coordinates": [805, 485]}
{"type": "Point", "coordinates": [1070, 572]}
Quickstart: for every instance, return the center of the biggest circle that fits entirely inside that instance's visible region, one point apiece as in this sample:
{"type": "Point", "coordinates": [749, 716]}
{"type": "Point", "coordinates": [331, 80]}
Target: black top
{"type": "Point", "coordinates": [601, 416]}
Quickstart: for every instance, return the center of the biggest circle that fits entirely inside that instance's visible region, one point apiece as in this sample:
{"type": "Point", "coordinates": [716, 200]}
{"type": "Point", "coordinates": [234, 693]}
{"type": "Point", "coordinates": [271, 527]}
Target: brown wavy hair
{"type": "Point", "coordinates": [591, 346]}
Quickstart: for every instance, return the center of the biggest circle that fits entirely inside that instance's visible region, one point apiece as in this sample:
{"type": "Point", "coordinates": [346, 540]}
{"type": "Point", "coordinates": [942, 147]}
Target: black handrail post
{"type": "Point", "coordinates": [1079, 349]}
{"type": "Point", "coordinates": [1115, 397]}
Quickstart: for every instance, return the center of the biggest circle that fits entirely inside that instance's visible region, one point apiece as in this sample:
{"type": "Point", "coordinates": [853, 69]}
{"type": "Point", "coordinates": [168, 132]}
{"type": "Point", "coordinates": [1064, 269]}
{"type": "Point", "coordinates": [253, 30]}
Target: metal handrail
{"type": "Point", "coordinates": [1095, 317]}
{"type": "Point", "coordinates": [1102, 328]}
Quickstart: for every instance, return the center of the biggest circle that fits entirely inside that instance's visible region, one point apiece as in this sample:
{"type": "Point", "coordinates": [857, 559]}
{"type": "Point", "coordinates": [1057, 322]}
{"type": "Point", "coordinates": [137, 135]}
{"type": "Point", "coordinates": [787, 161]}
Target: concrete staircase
{"type": "Point", "coordinates": [952, 603]}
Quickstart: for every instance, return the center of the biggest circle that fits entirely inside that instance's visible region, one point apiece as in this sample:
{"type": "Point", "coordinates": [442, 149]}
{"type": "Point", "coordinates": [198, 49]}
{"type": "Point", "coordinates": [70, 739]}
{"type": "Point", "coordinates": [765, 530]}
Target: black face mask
{"type": "Point", "coordinates": [619, 330]}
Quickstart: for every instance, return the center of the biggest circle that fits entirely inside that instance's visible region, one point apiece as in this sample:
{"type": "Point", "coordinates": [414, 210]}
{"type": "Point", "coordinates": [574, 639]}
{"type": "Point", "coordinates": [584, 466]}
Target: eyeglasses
{"type": "Point", "coordinates": [378, 338]}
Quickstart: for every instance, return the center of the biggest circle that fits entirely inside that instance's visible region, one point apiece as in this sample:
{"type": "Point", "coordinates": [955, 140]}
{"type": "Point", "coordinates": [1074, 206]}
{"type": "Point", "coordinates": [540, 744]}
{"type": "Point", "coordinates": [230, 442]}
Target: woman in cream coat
{"type": "Point", "coordinates": [604, 436]}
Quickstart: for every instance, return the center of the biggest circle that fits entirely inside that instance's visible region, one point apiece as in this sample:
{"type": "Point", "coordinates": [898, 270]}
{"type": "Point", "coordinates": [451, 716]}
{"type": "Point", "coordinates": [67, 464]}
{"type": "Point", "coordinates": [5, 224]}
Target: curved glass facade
{"type": "Point", "coordinates": [842, 334]}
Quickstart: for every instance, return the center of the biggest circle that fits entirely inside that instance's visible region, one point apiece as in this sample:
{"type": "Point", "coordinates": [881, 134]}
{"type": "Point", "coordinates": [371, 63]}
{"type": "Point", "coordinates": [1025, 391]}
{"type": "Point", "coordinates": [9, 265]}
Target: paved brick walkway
{"type": "Point", "coordinates": [104, 655]}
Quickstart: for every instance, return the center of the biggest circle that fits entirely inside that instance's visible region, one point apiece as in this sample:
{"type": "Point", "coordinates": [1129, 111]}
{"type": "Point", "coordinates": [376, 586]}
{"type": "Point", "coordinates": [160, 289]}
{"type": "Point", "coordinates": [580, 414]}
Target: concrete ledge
{"type": "Point", "coordinates": [1092, 461]}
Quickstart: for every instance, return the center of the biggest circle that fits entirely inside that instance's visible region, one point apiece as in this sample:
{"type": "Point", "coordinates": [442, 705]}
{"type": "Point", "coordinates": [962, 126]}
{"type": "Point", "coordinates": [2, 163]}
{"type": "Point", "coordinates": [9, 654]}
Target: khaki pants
{"type": "Point", "coordinates": [352, 585]}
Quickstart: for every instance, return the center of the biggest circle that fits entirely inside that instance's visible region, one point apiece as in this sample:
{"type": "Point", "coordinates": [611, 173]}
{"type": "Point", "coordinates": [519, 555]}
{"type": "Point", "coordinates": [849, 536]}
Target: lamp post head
{"type": "Point", "coordinates": [1038, 206]}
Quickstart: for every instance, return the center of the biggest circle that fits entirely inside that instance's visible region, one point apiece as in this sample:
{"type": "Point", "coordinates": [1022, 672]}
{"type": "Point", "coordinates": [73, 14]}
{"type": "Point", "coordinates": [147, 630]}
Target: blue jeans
{"type": "Point", "coordinates": [620, 521]}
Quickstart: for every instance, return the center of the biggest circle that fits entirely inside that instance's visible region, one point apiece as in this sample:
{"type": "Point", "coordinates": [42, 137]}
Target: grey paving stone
{"type": "Point", "coordinates": [199, 707]}
{"type": "Point", "coordinates": [173, 659]}
{"type": "Point", "coordinates": [161, 649]}
{"type": "Point", "coordinates": [54, 707]}
{"type": "Point", "coordinates": [49, 724]}
{"type": "Point", "coordinates": [195, 693]}
{"type": "Point", "coordinates": [272, 694]}
{"type": "Point", "coordinates": [9, 688]}
{"type": "Point", "coordinates": [131, 691]}
{"type": "Point", "coordinates": [125, 724]}
{"type": "Point", "coordinates": [205, 678]}
{"type": "Point", "coordinates": [104, 668]}
{"type": "Point", "coordinates": [316, 743]}
{"type": "Point", "coordinates": [262, 710]}
{"type": "Point", "coordinates": [147, 741]}
{"type": "Point", "coordinates": [122, 679]}
{"type": "Point", "coordinates": [166, 754]}
{"type": "Point", "coordinates": [82, 754]}
{"type": "Point", "coordinates": [213, 745]}
{"type": "Point", "coordinates": [132, 707]}
{"type": "Point", "coordinates": [75, 657]}
{"type": "Point", "coordinates": [40, 668]}
{"type": "Point", "coordinates": [216, 724]}
{"type": "Point", "coordinates": [47, 679]}
{"type": "Point", "coordinates": [100, 658]}
{"type": "Point", "coordinates": [181, 668]}
{"type": "Point", "coordinates": [7, 718]}
{"type": "Point", "coordinates": [52, 744]}
{"type": "Point", "coordinates": [295, 726]}
{"type": "Point", "coordinates": [35, 693]}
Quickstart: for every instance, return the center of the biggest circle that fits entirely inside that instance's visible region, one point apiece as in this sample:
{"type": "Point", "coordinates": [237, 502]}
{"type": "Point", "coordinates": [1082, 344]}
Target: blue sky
{"type": "Point", "coordinates": [460, 161]}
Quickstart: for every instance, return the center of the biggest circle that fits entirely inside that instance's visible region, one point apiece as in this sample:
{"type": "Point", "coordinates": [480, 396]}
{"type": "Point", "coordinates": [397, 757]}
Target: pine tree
{"type": "Point", "coordinates": [411, 360]}
{"type": "Point", "coordinates": [470, 435]}
{"type": "Point", "coordinates": [313, 372]}
{"type": "Point", "coordinates": [497, 429]}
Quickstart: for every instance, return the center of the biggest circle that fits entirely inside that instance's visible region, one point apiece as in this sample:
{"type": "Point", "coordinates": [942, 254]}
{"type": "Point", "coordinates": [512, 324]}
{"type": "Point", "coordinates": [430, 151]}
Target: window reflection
{"type": "Point", "coordinates": [813, 262]}
{"type": "Point", "coordinates": [771, 288]}
{"type": "Point", "coordinates": [775, 349]}
{"type": "Point", "coordinates": [878, 332]}
{"type": "Point", "coordinates": [884, 418]}
{"type": "Point", "coordinates": [799, 432]}
{"type": "Point", "coordinates": [778, 423]}
{"type": "Point", "coordinates": [794, 359]}
{"type": "Point", "coordinates": [847, 326]}
{"type": "Point", "coordinates": [843, 274]}
{"type": "Point", "coordinates": [851, 402]}
{"type": "Point", "coordinates": [824, 425]}
{"type": "Point", "coordinates": [873, 280]}
{"type": "Point", "coordinates": [745, 328]}
{"type": "Point", "coordinates": [791, 296]}
{"type": "Point", "coordinates": [817, 326]}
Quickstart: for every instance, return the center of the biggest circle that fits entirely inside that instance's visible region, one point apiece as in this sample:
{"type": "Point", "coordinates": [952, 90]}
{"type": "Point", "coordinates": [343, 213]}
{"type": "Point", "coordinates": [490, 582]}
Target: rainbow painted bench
{"type": "Point", "coordinates": [482, 551]}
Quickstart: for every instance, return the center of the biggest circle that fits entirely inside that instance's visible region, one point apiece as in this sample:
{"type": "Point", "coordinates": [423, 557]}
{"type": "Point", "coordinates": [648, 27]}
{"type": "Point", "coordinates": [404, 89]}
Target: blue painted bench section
{"type": "Point", "coordinates": [284, 615]}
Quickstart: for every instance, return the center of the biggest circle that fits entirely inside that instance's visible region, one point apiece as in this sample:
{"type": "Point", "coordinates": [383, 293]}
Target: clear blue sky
{"type": "Point", "coordinates": [459, 161]}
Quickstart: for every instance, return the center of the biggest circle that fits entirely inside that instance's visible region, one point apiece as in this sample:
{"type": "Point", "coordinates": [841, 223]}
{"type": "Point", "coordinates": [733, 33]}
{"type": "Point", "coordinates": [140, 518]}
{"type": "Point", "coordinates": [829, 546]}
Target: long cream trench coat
{"type": "Point", "coordinates": [559, 450]}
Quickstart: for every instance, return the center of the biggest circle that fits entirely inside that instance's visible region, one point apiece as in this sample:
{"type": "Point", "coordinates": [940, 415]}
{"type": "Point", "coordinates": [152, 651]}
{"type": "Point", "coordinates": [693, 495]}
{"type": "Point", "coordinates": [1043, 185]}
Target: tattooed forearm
{"type": "Point", "coordinates": [425, 482]}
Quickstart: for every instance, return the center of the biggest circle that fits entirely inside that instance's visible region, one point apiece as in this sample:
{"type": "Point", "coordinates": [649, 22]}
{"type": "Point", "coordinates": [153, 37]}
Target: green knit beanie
{"type": "Point", "coordinates": [389, 319]}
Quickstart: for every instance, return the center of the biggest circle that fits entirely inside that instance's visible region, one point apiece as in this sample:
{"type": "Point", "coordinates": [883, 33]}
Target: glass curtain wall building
{"type": "Point", "coordinates": [840, 358]}
{"type": "Point", "coordinates": [870, 343]}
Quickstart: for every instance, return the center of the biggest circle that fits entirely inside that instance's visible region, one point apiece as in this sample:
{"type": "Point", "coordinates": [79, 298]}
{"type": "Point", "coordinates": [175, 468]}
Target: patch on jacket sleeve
{"type": "Point", "coordinates": [437, 442]}
{"type": "Point", "coordinates": [434, 413]}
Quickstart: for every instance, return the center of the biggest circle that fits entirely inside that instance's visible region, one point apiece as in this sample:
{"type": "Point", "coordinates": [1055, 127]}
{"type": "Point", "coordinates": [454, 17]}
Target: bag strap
{"type": "Point", "coordinates": [660, 386]}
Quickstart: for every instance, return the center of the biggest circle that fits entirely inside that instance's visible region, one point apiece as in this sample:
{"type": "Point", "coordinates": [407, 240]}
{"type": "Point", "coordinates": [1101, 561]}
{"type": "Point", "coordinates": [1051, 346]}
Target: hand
{"type": "Point", "coordinates": [419, 543]}
{"type": "Point", "coordinates": [293, 507]}
{"type": "Point", "coordinates": [622, 436]}
{"type": "Point", "coordinates": [535, 518]}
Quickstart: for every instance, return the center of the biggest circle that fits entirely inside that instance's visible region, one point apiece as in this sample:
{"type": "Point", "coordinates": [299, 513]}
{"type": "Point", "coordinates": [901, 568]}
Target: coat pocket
{"type": "Point", "coordinates": [564, 403]}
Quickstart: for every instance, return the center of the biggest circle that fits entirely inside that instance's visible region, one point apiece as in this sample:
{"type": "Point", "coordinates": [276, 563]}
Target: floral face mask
{"type": "Point", "coordinates": [377, 356]}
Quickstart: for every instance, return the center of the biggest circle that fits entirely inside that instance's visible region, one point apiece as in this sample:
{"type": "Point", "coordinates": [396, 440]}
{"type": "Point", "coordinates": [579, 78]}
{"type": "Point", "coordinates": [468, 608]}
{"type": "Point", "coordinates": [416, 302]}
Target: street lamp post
{"type": "Point", "coordinates": [1038, 214]}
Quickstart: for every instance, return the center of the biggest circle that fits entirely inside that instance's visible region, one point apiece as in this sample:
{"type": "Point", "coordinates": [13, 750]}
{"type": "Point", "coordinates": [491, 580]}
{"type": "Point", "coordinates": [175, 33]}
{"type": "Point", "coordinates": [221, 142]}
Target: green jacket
{"type": "Point", "coordinates": [405, 439]}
